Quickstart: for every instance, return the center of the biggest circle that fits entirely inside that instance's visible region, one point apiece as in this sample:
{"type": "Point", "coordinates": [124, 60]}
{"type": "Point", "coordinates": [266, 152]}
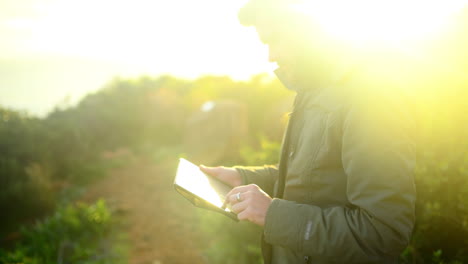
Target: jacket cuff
{"type": "Point", "coordinates": [243, 173]}
{"type": "Point", "coordinates": [280, 228]}
{"type": "Point", "coordinates": [263, 176]}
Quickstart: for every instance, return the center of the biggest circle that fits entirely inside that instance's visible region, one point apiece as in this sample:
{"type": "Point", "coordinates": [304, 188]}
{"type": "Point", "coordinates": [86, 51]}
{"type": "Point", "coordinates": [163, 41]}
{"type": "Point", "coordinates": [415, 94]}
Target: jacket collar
{"type": "Point", "coordinates": [287, 80]}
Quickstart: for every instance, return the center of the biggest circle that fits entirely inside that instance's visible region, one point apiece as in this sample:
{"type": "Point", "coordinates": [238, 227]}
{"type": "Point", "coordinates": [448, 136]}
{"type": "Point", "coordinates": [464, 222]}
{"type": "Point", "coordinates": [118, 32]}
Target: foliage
{"type": "Point", "coordinates": [42, 159]}
{"type": "Point", "coordinates": [266, 153]}
{"type": "Point", "coordinates": [73, 234]}
{"type": "Point", "coordinates": [441, 232]}
{"type": "Point", "coordinates": [230, 242]}
{"type": "Point", "coordinates": [147, 116]}
{"type": "Point", "coordinates": [24, 181]}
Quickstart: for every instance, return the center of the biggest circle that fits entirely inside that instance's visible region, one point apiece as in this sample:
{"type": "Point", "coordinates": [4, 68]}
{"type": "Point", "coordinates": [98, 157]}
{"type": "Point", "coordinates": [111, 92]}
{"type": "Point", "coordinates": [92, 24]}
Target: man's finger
{"type": "Point", "coordinates": [240, 189]}
{"type": "Point", "coordinates": [230, 199]}
{"type": "Point", "coordinates": [243, 216]}
{"type": "Point", "coordinates": [225, 203]}
{"type": "Point", "coordinates": [212, 171]}
{"type": "Point", "coordinates": [239, 207]}
{"type": "Point", "coordinates": [237, 197]}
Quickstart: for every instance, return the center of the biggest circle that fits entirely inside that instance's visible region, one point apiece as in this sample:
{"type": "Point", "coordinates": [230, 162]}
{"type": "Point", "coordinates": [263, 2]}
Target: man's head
{"type": "Point", "coordinates": [274, 21]}
{"type": "Point", "coordinates": [295, 42]}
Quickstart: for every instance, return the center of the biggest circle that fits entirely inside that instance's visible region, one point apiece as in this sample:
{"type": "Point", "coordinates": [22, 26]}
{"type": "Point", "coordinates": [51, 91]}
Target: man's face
{"type": "Point", "coordinates": [294, 54]}
{"type": "Point", "coordinates": [301, 51]}
{"type": "Point", "coordinates": [282, 49]}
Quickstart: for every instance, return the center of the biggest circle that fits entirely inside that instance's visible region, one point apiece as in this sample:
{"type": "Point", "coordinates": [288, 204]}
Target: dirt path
{"type": "Point", "coordinates": [161, 225]}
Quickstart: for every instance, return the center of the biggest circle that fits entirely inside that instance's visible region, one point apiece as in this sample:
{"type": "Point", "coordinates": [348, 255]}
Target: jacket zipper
{"type": "Point", "coordinates": [283, 164]}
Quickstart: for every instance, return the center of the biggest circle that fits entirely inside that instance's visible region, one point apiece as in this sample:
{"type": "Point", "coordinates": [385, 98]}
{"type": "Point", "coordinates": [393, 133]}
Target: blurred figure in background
{"type": "Point", "coordinates": [343, 191]}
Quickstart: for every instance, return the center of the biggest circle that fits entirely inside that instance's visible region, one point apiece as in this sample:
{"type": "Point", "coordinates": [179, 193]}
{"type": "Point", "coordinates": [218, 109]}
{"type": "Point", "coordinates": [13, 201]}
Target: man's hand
{"type": "Point", "coordinates": [250, 203]}
{"type": "Point", "coordinates": [228, 175]}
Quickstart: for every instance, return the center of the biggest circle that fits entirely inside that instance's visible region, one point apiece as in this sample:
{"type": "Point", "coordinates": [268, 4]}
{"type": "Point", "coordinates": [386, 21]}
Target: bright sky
{"type": "Point", "coordinates": [56, 49]}
{"type": "Point", "coordinates": [53, 49]}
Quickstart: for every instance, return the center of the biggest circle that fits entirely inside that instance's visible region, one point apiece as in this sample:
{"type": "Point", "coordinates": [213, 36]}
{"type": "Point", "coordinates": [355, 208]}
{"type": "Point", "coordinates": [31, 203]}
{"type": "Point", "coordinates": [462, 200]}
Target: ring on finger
{"type": "Point", "coordinates": [238, 196]}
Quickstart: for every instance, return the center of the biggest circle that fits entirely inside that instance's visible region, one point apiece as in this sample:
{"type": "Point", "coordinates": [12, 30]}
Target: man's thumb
{"type": "Point", "coordinates": [209, 170]}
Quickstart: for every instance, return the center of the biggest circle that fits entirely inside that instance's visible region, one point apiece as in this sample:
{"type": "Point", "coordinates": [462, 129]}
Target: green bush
{"type": "Point", "coordinates": [24, 177]}
{"type": "Point", "coordinates": [230, 242]}
{"type": "Point", "coordinates": [268, 152]}
{"type": "Point", "coordinates": [441, 175]}
{"type": "Point", "coordinates": [73, 234]}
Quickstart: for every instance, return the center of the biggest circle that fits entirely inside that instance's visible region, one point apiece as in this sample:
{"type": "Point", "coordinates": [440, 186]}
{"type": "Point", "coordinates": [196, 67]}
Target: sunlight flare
{"type": "Point", "coordinates": [381, 22]}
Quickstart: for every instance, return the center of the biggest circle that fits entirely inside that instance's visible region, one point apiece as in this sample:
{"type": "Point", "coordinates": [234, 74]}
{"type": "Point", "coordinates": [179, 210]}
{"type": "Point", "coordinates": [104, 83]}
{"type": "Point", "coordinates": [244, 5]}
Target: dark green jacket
{"type": "Point", "coordinates": [349, 191]}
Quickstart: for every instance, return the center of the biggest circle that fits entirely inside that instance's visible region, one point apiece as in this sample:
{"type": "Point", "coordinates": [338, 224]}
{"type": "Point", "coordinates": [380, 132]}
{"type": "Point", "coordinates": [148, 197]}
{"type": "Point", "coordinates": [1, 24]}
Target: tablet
{"type": "Point", "coordinates": [201, 189]}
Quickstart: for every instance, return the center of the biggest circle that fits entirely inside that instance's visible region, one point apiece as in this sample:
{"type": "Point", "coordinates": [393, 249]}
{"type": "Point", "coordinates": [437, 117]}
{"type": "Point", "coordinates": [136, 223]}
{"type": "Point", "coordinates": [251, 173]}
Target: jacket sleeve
{"type": "Point", "coordinates": [378, 156]}
{"type": "Point", "coordinates": [263, 176]}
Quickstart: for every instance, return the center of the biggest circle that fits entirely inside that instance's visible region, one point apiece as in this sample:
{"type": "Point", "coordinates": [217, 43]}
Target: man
{"type": "Point", "coordinates": [343, 191]}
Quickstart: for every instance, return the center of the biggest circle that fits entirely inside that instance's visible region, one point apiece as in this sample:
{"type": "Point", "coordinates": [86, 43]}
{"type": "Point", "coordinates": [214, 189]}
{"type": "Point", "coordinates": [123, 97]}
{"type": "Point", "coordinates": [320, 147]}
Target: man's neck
{"type": "Point", "coordinates": [305, 79]}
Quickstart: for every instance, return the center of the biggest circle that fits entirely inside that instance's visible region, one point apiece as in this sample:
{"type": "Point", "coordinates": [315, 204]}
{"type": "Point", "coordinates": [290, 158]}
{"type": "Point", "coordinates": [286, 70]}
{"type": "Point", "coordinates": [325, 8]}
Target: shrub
{"type": "Point", "coordinates": [24, 179]}
{"type": "Point", "coordinates": [73, 234]}
{"type": "Point", "coordinates": [230, 242]}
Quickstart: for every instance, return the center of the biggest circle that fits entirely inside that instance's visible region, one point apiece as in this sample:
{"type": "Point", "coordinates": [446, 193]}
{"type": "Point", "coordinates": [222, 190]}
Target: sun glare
{"type": "Point", "coordinates": [368, 22]}
{"type": "Point", "coordinates": [180, 37]}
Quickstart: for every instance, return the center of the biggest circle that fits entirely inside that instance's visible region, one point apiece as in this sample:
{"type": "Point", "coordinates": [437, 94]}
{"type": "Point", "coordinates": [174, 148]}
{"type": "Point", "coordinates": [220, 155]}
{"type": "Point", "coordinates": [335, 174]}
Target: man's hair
{"type": "Point", "coordinates": [272, 10]}
{"type": "Point", "coordinates": [248, 13]}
